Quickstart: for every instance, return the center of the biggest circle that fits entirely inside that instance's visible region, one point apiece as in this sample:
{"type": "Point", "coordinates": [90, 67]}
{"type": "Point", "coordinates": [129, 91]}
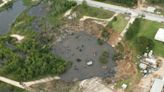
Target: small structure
{"type": "Point", "coordinates": [160, 35]}
{"type": "Point", "coordinates": [151, 9]}
{"type": "Point", "coordinates": [89, 63]}
{"type": "Point", "coordinates": [157, 86]}
{"type": "Point", "coordinates": [124, 86]}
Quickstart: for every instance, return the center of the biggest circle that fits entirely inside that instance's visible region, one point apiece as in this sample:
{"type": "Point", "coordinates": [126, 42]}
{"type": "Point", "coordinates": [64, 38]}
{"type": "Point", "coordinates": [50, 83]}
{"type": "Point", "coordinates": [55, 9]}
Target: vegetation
{"type": "Point", "coordinates": [144, 44]}
{"type": "Point", "coordinates": [119, 24]}
{"type": "Point", "coordinates": [142, 37]}
{"type": "Point", "coordinates": [86, 10]}
{"type": "Point", "coordinates": [32, 58]}
{"type": "Point", "coordinates": [104, 58]}
{"type": "Point", "coordinates": [31, 2]}
{"type": "Point", "coordinates": [100, 41]}
{"type": "Point", "coordinates": [119, 52]}
{"type": "Point", "coordinates": [155, 1]}
{"type": "Point", "coordinates": [105, 34]}
{"type": "Point", "coordinates": [8, 88]}
{"type": "Point", "coordinates": [133, 30]}
{"type": "Point", "coordinates": [121, 82]}
{"type": "Point", "coordinates": [122, 2]}
{"type": "Point", "coordinates": [148, 29]}
{"type": "Point", "coordinates": [58, 7]}
{"type": "Point", "coordinates": [7, 6]}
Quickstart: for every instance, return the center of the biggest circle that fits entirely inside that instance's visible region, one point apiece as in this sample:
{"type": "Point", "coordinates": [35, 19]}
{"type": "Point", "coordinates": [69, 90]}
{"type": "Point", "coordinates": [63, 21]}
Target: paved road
{"type": "Point", "coordinates": [120, 9]}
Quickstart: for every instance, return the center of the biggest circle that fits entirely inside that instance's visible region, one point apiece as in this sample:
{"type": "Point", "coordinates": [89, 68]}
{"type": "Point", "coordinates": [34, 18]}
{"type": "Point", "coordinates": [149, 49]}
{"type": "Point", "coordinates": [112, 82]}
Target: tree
{"type": "Point", "coordinates": [144, 44]}
{"type": "Point", "coordinates": [133, 30]}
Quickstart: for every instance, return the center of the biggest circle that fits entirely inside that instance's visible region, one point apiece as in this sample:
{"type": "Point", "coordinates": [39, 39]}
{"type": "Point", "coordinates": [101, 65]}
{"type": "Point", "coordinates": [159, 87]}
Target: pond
{"type": "Point", "coordinates": [7, 17]}
{"type": "Point", "coordinates": [80, 48]}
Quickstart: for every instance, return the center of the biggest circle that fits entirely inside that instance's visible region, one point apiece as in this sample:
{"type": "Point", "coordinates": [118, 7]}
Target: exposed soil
{"type": "Point", "coordinates": [114, 38]}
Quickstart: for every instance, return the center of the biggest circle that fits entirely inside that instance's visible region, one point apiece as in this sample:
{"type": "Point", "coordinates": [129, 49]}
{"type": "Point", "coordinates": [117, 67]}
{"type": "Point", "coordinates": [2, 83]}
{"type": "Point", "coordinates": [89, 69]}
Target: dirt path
{"type": "Point", "coordinates": [99, 19]}
{"type": "Point", "coordinates": [11, 82]}
{"type": "Point", "coordinates": [41, 81]}
{"type": "Point", "coordinates": [4, 2]}
{"type": "Point", "coordinates": [26, 85]}
{"type": "Point", "coordinates": [117, 37]}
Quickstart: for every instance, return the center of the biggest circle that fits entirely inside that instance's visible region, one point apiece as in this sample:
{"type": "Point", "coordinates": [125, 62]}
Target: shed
{"type": "Point", "coordinates": [160, 35]}
{"type": "Point", "coordinates": [157, 86]}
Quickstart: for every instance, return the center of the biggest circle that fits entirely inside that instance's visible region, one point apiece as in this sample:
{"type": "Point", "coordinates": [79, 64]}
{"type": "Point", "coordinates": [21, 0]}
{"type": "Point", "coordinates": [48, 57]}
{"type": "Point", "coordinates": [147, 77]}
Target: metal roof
{"type": "Point", "coordinates": [160, 35]}
{"type": "Point", "coordinates": [157, 86]}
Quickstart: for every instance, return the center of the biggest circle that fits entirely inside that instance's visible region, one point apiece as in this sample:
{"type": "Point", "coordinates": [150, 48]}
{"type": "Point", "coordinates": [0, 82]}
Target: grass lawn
{"type": "Point", "coordinates": [93, 12]}
{"type": "Point", "coordinates": [149, 29]}
{"type": "Point", "coordinates": [120, 24]}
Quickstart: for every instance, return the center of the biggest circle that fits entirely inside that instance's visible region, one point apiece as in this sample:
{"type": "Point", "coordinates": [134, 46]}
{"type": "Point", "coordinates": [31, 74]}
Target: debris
{"type": "Point", "coordinates": [18, 37]}
{"type": "Point", "coordinates": [142, 66]}
{"type": "Point", "coordinates": [89, 63]}
{"type": "Point", "coordinates": [124, 86]}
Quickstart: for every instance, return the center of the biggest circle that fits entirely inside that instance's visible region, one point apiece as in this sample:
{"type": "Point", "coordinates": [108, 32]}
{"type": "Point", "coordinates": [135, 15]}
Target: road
{"type": "Point", "coordinates": [123, 10]}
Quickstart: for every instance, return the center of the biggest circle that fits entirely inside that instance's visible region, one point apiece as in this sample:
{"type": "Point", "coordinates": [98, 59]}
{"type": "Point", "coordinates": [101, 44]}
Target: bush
{"type": "Point", "coordinates": [100, 41]}
{"type": "Point", "coordinates": [105, 34]}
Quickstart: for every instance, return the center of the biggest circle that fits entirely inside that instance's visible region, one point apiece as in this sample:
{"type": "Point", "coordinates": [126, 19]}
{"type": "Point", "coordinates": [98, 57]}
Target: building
{"type": "Point", "coordinates": [151, 9]}
{"type": "Point", "coordinates": [157, 86]}
{"type": "Point", "coordinates": [160, 35]}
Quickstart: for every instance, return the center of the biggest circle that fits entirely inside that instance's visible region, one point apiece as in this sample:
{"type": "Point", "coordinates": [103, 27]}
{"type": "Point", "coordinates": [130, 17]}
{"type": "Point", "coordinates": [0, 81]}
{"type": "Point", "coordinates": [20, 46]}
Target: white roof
{"type": "Point", "coordinates": [160, 35]}
{"type": "Point", "coordinates": [150, 9]}
{"type": "Point", "coordinates": [157, 86]}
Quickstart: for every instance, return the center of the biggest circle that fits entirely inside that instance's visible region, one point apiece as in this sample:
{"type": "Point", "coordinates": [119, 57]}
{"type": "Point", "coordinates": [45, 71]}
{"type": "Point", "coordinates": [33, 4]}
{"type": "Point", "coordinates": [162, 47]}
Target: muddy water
{"type": "Point", "coordinates": [80, 48]}
{"type": "Point", "coordinates": [7, 17]}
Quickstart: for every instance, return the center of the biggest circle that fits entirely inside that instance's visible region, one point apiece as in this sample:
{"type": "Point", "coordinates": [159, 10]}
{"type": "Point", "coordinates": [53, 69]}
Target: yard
{"type": "Point", "coordinates": [149, 29]}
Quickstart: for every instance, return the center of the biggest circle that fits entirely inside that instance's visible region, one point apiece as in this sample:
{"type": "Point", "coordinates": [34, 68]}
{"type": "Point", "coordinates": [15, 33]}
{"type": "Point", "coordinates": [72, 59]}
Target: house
{"type": "Point", "coordinates": [160, 35]}
{"type": "Point", "coordinates": [157, 86]}
{"type": "Point", "coordinates": [151, 9]}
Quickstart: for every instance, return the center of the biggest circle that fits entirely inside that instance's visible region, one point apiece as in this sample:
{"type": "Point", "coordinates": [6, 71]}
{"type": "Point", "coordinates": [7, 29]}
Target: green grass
{"type": "Point", "coordinates": [93, 12]}
{"type": "Point", "coordinates": [9, 88]}
{"type": "Point", "coordinates": [149, 29]}
{"type": "Point", "coordinates": [120, 24]}
{"type": "Point", "coordinates": [30, 2]}
{"type": "Point", "coordinates": [125, 81]}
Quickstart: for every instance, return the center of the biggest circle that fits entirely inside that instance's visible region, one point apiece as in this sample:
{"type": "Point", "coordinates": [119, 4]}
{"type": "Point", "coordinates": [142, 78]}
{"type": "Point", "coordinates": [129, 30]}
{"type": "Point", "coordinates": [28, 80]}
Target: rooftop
{"type": "Point", "coordinates": [157, 86]}
{"type": "Point", "coordinates": [160, 35]}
